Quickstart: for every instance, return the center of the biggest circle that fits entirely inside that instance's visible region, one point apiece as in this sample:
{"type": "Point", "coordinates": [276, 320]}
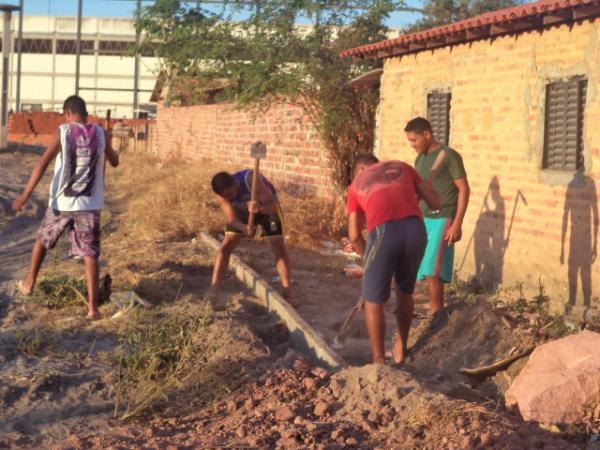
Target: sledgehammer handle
{"type": "Point", "coordinates": [253, 194]}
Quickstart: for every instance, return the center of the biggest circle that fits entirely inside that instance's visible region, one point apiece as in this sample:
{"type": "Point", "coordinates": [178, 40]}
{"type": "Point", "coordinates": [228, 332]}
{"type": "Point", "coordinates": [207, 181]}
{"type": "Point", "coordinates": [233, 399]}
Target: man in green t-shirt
{"type": "Point", "coordinates": [444, 167]}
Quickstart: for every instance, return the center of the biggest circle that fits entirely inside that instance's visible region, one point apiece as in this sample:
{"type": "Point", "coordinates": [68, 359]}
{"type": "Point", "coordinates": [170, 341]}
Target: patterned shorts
{"type": "Point", "coordinates": [83, 226]}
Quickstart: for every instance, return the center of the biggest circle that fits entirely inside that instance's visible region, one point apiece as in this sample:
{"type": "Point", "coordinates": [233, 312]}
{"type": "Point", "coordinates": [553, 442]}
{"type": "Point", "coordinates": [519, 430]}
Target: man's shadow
{"type": "Point", "coordinates": [581, 209]}
{"type": "Point", "coordinates": [488, 241]}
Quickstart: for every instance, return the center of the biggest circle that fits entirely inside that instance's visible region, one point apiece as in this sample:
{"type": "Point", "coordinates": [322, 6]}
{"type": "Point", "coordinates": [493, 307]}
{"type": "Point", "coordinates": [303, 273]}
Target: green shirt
{"type": "Point", "coordinates": [451, 168]}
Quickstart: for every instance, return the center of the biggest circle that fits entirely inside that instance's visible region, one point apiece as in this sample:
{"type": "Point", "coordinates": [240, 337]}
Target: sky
{"type": "Point", "coordinates": [125, 8]}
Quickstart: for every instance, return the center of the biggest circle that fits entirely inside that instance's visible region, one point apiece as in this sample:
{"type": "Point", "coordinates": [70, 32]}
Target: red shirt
{"type": "Point", "coordinates": [385, 191]}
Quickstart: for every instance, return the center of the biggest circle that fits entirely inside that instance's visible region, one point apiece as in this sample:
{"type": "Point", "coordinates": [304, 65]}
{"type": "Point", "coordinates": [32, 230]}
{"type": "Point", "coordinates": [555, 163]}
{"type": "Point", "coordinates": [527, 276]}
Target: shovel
{"type": "Point", "coordinates": [258, 151]}
{"type": "Point", "coordinates": [348, 324]}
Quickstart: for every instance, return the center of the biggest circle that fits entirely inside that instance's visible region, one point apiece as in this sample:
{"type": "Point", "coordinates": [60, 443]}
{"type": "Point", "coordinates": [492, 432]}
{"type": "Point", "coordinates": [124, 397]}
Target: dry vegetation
{"type": "Point", "coordinates": [171, 200]}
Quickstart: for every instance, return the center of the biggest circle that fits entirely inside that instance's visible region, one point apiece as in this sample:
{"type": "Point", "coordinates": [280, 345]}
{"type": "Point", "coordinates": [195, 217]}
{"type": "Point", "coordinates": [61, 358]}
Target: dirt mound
{"type": "Point", "coordinates": [465, 335]}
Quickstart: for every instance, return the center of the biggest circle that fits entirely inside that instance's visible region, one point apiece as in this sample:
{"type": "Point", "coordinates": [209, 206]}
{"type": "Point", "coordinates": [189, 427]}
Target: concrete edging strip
{"type": "Point", "coordinates": [302, 335]}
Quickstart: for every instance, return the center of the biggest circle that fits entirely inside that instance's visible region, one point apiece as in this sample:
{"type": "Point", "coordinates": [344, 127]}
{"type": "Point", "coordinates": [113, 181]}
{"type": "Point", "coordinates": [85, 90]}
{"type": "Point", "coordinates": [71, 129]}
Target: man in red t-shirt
{"type": "Point", "coordinates": [386, 195]}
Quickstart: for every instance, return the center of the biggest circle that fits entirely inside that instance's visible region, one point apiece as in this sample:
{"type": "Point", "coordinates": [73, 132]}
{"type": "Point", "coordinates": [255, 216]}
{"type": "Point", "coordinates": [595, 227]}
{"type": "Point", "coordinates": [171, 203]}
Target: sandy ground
{"type": "Point", "coordinates": [267, 397]}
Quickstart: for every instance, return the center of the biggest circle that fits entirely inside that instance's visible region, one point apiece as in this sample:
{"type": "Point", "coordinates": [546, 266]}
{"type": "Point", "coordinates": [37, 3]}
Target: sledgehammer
{"type": "Point", "coordinates": [258, 151]}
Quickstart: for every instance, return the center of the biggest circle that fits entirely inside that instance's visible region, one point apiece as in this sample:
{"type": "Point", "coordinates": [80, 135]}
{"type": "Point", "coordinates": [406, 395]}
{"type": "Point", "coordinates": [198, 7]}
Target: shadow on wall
{"type": "Point", "coordinates": [581, 210]}
{"type": "Point", "coordinates": [488, 237]}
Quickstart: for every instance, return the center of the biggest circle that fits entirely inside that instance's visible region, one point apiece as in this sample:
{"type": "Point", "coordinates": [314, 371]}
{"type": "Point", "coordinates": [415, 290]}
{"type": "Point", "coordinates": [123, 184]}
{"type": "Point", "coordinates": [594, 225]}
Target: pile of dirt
{"type": "Point", "coordinates": [296, 407]}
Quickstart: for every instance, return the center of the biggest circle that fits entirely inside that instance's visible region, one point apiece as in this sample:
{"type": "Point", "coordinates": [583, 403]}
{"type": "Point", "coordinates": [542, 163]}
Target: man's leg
{"type": "Point", "coordinates": [222, 261]}
{"type": "Point", "coordinates": [405, 306]}
{"type": "Point", "coordinates": [92, 272]}
{"type": "Point", "coordinates": [375, 319]}
{"type": "Point", "coordinates": [37, 257]}
{"type": "Point", "coordinates": [282, 263]}
{"type": "Point", "coordinates": [436, 294]}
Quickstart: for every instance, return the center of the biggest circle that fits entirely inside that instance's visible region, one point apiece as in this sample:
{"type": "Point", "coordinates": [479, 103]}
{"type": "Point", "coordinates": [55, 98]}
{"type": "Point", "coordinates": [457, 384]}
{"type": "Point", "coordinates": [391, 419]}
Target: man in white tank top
{"type": "Point", "coordinates": [76, 195]}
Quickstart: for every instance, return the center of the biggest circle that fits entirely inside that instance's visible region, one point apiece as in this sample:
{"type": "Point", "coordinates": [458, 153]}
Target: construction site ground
{"type": "Point", "coordinates": [243, 387]}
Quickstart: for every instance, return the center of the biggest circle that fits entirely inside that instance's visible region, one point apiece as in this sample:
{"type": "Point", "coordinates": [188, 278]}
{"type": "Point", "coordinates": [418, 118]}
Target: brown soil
{"type": "Point", "coordinates": [255, 392]}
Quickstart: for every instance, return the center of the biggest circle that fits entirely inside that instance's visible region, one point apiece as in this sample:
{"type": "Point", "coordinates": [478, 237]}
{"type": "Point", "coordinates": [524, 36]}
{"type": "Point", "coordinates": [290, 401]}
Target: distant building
{"type": "Point", "coordinates": [106, 67]}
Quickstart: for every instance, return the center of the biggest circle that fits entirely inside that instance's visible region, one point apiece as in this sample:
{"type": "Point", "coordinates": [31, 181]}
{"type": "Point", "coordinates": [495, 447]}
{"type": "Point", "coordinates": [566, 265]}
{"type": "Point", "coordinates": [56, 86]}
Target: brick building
{"type": "Point", "coordinates": [516, 92]}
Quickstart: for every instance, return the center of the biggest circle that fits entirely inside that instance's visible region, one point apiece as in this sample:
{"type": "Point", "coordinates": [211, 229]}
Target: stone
{"type": "Point", "coordinates": [231, 406]}
{"type": "Point", "coordinates": [335, 434]}
{"type": "Point", "coordinates": [560, 377]}
{"type": "Point", "coordinates": [321, 409]}
{"type": "Point", "coordinates": [486, 439]}
{"type": "Point", "coordinates": [249, 404]}
{"type": "Point", "coordinates": [336, 387]}
{"type": "Point", "coordinates": [241, 432]}
{"type": "Point", "coordinates": [310, 383]}
{"type": "Point", "coordinates": [284, 414]}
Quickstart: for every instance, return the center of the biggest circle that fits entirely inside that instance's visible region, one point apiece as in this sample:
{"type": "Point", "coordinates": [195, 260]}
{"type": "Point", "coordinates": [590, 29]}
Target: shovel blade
{"type": "Point", "coordinates": [258, 150]}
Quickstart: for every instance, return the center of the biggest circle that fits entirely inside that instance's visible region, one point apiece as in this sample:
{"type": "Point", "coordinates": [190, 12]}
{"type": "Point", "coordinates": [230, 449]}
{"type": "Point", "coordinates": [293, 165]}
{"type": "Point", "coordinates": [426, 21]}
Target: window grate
{"type": "Point", "coordinates": [563, 130]}
{"type": "Point", "coordinates": [438, 114]}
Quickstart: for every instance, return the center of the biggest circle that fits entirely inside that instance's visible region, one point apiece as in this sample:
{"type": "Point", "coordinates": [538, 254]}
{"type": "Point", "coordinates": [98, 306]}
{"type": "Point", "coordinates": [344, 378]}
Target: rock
{"type": "Point", "coordinates": [321, 409]}
{"type": "Point", "coordinates": [231, 406]}
{"type": "Point", "coordinates": [560, 377]}
{"type": "Point", "coordinates": [254, 441]}
{"type": "Point", "coordinates": [373, 416]}
{"type": "Point", "coordinates": [249, 404]}
{"type": "Point", "coordinates": [241, 432]}
{"type": "Point", "coordinates": [284, 414]}
{"type": "Point", "coordinates": [302, 364]}
{"type": "Point", "coordinates": [336, 434]}
{"type": "Point", "coordinates": [351, 441]}
{"type": "Point", "coordinates": [299, 420]}
{"type": "Point", "coordinates": [486, 439]}
{"type": "Point", "coordinates": [466, 443]}
{"type": "Point", "coordinates": [310, 383]}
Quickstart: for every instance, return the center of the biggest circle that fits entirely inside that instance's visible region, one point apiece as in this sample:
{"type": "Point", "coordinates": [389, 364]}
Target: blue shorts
{"type": "Point", "coordinates": [439, 257]}
{"type": "Point", "coordinates": [394, 250]}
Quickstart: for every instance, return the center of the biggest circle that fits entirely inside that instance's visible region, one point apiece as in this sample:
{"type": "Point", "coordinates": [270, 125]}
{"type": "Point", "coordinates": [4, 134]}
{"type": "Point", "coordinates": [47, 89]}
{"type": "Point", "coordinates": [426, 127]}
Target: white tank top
{"type": "Point", "coordinates": [78, 183]}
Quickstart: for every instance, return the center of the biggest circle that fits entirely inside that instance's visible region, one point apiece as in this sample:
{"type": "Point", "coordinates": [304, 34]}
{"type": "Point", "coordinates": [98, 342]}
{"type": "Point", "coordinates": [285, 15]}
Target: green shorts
{"type": "Point", "coordinates": [438, 260]}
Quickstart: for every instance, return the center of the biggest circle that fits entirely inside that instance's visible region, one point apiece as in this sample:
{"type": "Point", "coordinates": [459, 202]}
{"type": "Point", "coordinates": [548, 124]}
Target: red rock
{"type": "Point", "coordinates": [486, 439]}
{"type": "Point", "coordinates": [560, 377]}
{"type": "Point", "coordinates": [254, 441]}
{"type": "Point", "coordinates": [284, 414]}
{"type": "Point", "coordinates": [241, 432]}
{"type": "Point", "coordinates": [336, 434]}
{"type": "Point", "coordinates": [299, 420]}
{"type": "Point", "coordinates": [249, 404]}
{"type": "Point", "coordinates": [373, 416]}
{"type": "Point", "coordinates": [321, 409]}
{"type": "Point", "coordinates": [231, 406]}
{"type": "Point", "coordinates": [351, 441]}
{"type": "Point", "coordinates": [310, 383]}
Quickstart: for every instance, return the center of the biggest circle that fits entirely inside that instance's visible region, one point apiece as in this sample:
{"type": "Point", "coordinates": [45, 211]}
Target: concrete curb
{"type": "Point", "coordinates": [302, 335]}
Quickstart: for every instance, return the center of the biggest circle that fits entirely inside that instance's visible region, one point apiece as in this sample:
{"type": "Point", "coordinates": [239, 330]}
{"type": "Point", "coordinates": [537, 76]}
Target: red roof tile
{"type": "Point", "coordinates": [502, 16]}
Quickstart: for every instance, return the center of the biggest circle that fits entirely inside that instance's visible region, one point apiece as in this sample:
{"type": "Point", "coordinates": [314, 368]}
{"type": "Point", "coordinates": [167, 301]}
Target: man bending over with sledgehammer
{"type": "Point", "coordinates": [386, 195]}
{"type": "Point", "coordinates": [234, 193]}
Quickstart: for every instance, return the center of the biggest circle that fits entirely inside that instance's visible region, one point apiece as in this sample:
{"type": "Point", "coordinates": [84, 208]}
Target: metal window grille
{"type": "Point", "coordinates": [36, 45]}
{"type": "Point", "coordinates": [31, 107]}
{"type": "Point", "coordinates": [69, 47]}
{"type": "Point", "coordinates": [114, 47]}
{"type": "Point", "coordinates": [563, 131]}
{"type": "Point", "coordinates": [438, 114]}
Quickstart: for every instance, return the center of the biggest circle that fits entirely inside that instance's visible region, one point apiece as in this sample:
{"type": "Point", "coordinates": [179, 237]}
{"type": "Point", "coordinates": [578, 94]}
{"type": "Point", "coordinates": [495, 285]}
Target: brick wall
{"type": "Point", "coordinates": [497, 124]}
{"type": "Point", "coordinates": [295, 155]}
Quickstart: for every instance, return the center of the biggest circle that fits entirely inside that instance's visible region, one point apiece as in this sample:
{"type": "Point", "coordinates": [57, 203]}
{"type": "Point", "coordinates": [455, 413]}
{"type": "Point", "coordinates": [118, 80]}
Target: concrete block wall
{"type": "Point", "coordinates": [296, 157]}
{"type": "Point", "coordinates": [513, 231]}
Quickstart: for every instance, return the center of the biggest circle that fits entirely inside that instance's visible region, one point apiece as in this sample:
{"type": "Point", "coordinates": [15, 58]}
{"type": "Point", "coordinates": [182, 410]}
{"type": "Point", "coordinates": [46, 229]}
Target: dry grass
{"type": "Point", "coordinates": [172, 200]}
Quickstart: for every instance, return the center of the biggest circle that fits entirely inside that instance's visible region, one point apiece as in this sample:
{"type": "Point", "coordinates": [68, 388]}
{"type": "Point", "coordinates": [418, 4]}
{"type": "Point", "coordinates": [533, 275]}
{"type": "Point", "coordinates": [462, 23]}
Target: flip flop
{"type": "Point", "coordinates": [21, 289]}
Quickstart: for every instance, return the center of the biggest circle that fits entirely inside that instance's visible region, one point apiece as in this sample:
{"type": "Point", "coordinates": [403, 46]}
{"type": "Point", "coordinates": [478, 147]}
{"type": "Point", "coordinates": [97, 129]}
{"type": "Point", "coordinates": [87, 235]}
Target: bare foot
{"type": "Point", "coordinates": [93, 315]}
{"type": "Point", "coordinates": [23, 288]}
{"type": "Point", "coordinates": [287, 295]}
{"type": "Point", "coordinates": [211, 294]}
{"type": "Point", "coordinates": [398, 352]}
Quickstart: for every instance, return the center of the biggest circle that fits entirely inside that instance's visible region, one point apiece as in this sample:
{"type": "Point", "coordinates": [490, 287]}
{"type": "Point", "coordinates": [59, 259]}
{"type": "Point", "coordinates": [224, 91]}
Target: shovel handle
{"type": "Point", "coordinates": [253, 192]}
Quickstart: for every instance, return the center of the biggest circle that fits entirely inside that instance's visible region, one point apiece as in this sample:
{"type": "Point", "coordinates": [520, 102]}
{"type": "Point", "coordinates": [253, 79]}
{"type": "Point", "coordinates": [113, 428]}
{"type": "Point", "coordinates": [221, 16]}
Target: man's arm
{"type": "Point", "coordinates": [111, 155]}
{"type": "Point", "coordinates": [427, 192]}
{"type": "Point", "coordinates": [355, 226]}
{"type": "Point", "coordinates": [231, 217]}
{"type": "Point", "coordinates": [38, 171]}
{"type": "Point", "coordinates": [455, 231]}
{"type": "Point", "coordinates": [265, 203]}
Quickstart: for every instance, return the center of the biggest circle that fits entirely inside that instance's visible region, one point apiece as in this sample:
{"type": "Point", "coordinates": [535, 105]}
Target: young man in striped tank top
{"type": "Point", "coordinates": [76, 195]}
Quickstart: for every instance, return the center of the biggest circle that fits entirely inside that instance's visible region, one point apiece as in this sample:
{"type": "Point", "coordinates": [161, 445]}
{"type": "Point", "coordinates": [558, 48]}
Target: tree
{"type": "Point", "coordinates": [267, 58]}
{"type": "Point", "coordinates": [442, 12]}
